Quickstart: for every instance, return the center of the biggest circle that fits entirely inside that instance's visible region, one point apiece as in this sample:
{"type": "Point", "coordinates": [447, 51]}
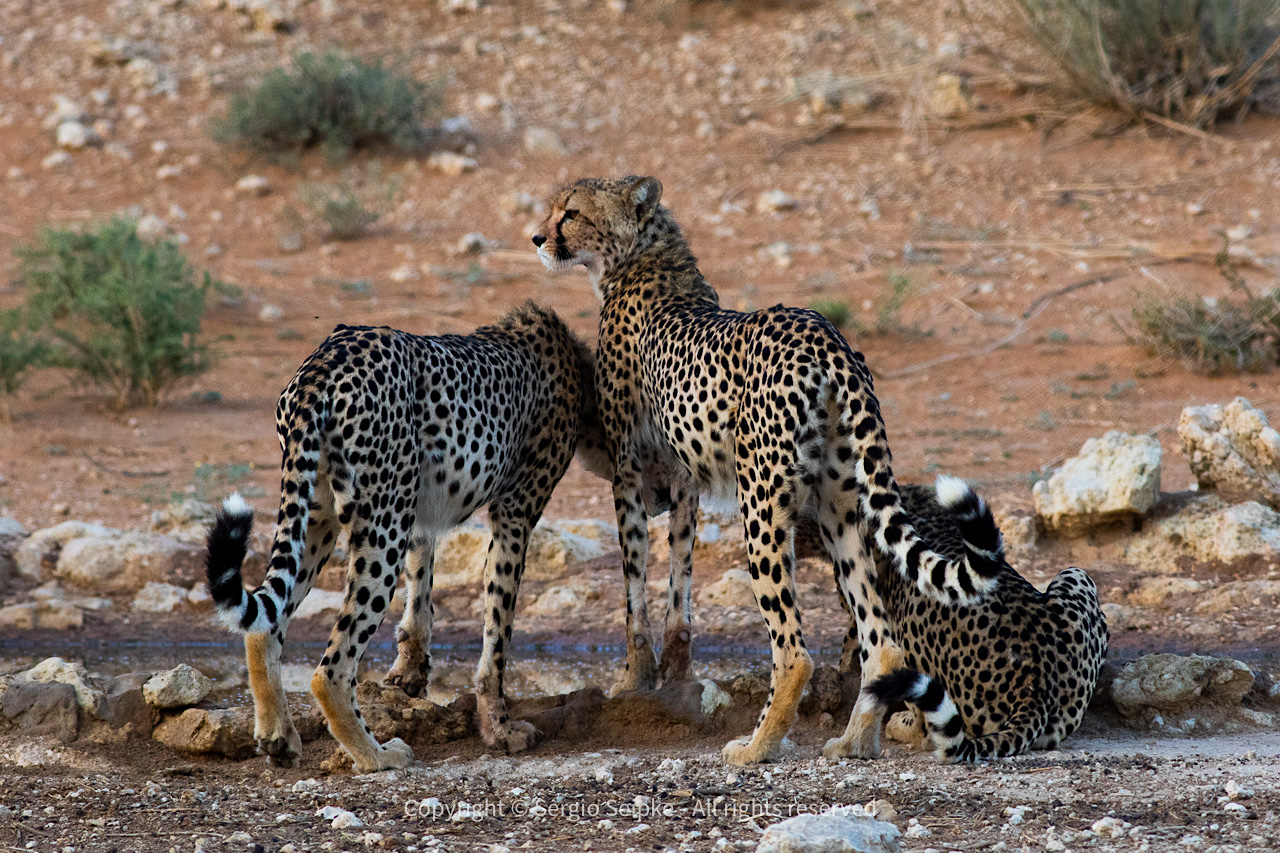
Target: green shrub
{"type": "Point", "coordinates": [20, 351]}
{"type": "Point", "coordinates": [333, 101]}
{"type": "Point", "coordinates": [1192, 61]}
{"type": "Point", "coordinates": [835, 310]}
{"type": "Point", "coordinates": [125, 314]}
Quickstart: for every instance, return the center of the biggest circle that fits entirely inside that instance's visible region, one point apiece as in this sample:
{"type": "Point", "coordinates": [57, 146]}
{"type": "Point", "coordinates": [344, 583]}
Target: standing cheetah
{"type": "Point", "coordinates": [396, 438]}
{"type": "Point", "coordinates": [1012, 672]}
{"type": "Point", "coordinates": [773, 407]}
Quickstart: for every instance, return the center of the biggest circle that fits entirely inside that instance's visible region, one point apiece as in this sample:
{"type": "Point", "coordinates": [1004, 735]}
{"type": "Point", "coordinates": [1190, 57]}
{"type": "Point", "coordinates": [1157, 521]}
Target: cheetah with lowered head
{"type": "Point", "coordinates": [396, 438]}
{"type": "Point", "coordinates": [1012, 672]}
{"type": "Point", "coordinates": [773, 407]}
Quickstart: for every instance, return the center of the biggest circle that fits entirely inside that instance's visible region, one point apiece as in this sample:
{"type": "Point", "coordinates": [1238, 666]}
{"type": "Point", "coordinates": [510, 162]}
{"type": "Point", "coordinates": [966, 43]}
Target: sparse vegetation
{"type": "Point", "coordinates": [1210, 337]}
{"type": "Point", "coordinates": [20, 351]}
{"type": "Point", "coordinates": [889, 309]}
{"type": "Point", "coordinates": [835, 310]}
{"type": "Point", "coordinates": [350, 207]}
{"type": "Point", "coordinates": [332, 101]}
{"type": "Point", "coordinates": [1191, 61]}
{"type": "Point", "coordinates": [122, 313]}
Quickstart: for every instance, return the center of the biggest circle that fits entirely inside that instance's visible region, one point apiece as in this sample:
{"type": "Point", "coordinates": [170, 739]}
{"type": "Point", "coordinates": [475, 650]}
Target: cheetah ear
{"type": "Point", "coordinates": [645, 194]}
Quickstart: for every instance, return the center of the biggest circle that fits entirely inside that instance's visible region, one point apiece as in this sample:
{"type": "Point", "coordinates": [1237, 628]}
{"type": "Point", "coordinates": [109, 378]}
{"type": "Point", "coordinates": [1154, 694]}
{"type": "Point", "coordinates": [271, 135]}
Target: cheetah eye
{"type": "Point", "coordinates": [569, 215]}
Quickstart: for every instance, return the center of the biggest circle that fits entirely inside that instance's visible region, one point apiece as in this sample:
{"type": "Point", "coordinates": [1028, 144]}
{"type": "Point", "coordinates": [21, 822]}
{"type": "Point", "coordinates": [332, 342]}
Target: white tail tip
{"type": "Point", "coordinates": [951, 490]}
{"type": "Point", "coordinates": [236, 505]}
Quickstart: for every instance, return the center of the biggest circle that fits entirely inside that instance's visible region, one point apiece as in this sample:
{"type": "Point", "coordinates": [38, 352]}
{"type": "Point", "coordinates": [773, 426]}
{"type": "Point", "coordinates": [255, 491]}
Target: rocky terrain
{"type": "Point", "coordinates": [988, 237]}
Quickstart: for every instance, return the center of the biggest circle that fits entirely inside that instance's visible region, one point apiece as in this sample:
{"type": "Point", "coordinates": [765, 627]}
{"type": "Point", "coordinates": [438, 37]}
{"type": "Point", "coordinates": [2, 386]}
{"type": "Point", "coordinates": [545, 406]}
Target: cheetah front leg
{"type": "Point", "coordinates": [411, 671]}
{"type": "Point", "coordinates": [677, 637]}
{"type": "Point", "coordinates": [510, 526]}
{"type": "Point", "coordinates": [633, 536]}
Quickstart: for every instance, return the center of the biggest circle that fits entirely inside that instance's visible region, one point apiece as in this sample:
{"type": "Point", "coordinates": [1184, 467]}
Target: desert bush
{"type": "Point", "coordinates": [122, 313]}
{"type": "Point", "coordinates": [1192, 61]}
{"type": "Point", "coordinates": [332, 101]}
{"type": "Point", "coordinates": [350, 207]}
{"type": "Point", "coordinates": [835, 310]}
{"type": "Point", "coordinates": [1211, 337]}
{"type": "Point", "coordinates": [21, 350]}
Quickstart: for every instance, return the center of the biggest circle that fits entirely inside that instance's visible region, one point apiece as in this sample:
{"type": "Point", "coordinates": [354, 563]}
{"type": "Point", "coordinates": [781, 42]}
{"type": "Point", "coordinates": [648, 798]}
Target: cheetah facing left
{"type": "Point", "coordinates": [774, 407]}
{"type": "Point", "coordinates": [396, 438]}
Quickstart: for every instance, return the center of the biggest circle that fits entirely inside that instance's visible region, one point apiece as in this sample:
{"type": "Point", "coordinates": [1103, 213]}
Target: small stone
{"type": "Point", "coordinates": [158, 597]}
{"type": "Point", "coordinates": [472, 243]}
{"type": "Point", "coordinates": [291, 242]}
{"type": "Point", "coordinates": [1236, 233]}
{"type": "Point", "coordinates": [557, 600]}
{"type": "Point", "coordinates": [226, 732]}
{"type": "Point", "coordinates": [774, 201]}
{"type": "Point", "coordinates": [239, 838]}
{"type": "Point", "coordinates": [1193, 693]}
{"type": "Point", "coordinates": [142, 73]}
{"type": "Point", "coordinates": [844, 829]}
{"type": "Point", "coordinates": [1233, 449]}
{"type": "Point", "coordinates": [177, 688]}
{"type": "Point", "coordinates": [1153, 591]}
{"type": "Point", "coordinates": [544, 141]}
{"type": "Point", "coordinates": [1113, 478]}
{"type": "Point", "coordinates": [339, 818]}
{"type": "Point", "coordinates": [1195, 208]}
{"type": "Point", "coordinates": [1109, 827]}
{"type": "Point", "coordinates": [168, 172]}
{"type": "Point", "coordinates": [779, 253]}
{"type": "Point", "coordinates": [271, 313]}
{"type": "Point", "coordinates": [732, 590]}
{"type": "Point", "coordinates": [56, 670]}
{"type": "Point", "coordinates": [320, 601]}
{"type": "Point", "coordinates": [451, 164]}
{"type": "Point", "coordinates": [74, 136]}
{"type": "Point", "coordinates": [486, 103]}
{"type": "Point", "coordinates": [46, 615]}
{"type": "Point", "coordinates": [152, 228]}
{"type": "Point", "coordinates": [950, 97]}
{"type": "Point", "coordinates": [403, 273]}
{"type": "Point", "coordinates": [56, 160]}
{"type": "Point", "coordinates": [253, 185]}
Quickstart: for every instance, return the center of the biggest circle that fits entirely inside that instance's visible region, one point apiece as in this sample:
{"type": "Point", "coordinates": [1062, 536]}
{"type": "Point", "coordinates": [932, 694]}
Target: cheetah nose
{"type": "Point", "coordinates": [538, 240]}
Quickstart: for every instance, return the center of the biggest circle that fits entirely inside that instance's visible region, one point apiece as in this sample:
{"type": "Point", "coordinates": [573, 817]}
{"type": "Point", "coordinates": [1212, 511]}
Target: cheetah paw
{"type": "Point", "coordinates": [281, 750]}
{"type": "Point", "coordinates": [841, 747]}
{"type": "Point", "coordinates": [742, 751]}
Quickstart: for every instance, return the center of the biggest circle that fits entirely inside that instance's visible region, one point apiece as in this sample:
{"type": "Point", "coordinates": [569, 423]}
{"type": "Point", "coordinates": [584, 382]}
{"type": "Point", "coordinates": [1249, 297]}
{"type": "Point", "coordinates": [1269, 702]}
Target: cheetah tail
{"type": "Point", "coordinates": [941, 717]}
{"type": "Point", "coordinates": [982, 539]}
{"type": "Point", "coordinates": [228, 542]}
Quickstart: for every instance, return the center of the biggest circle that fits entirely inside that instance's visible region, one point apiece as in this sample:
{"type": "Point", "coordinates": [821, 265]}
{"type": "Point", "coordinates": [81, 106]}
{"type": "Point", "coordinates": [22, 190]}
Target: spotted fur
{"type": "Point", "coordinates": [773, 407]}
{"type": "Point", "coordinates": [1012, 672]}
{"type": "Point", "coordinates": [395, 438]}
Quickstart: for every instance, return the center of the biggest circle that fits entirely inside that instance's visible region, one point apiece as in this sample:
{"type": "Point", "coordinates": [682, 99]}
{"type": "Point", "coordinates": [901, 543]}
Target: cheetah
{"type": "Point", "coordinates": [773, 408]}
{"type": "Point", "coordinates": [395, 438]}
{"type": "Point", "coordinates": [1012, 672]}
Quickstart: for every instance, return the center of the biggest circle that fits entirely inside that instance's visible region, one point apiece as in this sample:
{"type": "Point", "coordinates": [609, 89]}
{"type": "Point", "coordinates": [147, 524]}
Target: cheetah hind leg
{"type": "Point", "coordinates": [411, 671]}
{"type": "Point", "coordinates": [510, 526]}
{"type": "Point", "coordinates": [677, 641]}
{"type": "Point", "coordinates": [334, 681]}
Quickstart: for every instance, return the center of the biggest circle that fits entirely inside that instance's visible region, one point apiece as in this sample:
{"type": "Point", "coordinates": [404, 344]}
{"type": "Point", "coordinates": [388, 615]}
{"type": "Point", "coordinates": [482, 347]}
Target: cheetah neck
{"type": "Point", "coordinates": [659, 259]}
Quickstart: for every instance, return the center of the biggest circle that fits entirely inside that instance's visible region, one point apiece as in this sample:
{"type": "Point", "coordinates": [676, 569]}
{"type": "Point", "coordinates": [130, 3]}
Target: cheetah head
{"type": "Point", "coordinates": [594, 222]}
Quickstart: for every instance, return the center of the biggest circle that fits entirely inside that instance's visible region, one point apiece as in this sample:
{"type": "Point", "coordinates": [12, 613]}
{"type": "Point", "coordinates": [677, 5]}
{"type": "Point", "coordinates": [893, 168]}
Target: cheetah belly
{"type": "Point", "coordinates": [458, 478]}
